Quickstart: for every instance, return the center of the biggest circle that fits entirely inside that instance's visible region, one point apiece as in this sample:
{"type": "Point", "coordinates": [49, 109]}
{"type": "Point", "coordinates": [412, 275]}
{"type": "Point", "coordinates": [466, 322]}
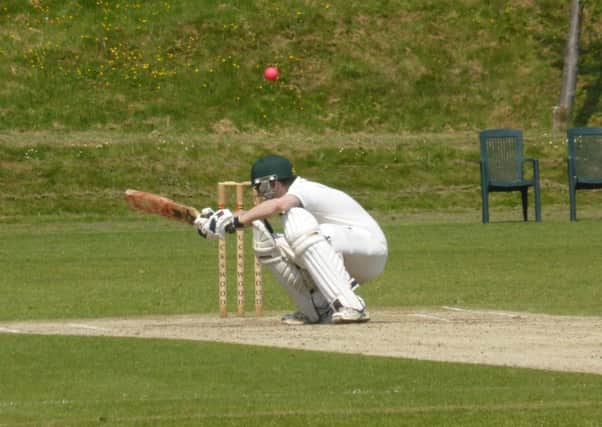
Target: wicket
{"type": "Point", "coordinates": [240, 256]}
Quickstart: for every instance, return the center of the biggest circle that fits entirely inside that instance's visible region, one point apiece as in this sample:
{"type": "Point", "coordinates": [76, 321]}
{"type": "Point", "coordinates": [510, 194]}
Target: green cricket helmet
{"type": "Point", "coordinates": [268, 169]}
{"type": "Point", "coordinates": [273, 166]}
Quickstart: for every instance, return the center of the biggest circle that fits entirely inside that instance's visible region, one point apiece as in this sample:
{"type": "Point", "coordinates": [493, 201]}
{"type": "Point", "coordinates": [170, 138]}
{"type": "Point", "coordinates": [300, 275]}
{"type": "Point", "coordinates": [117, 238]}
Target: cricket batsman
{"type": "Point", "coordinates": [330, 244]}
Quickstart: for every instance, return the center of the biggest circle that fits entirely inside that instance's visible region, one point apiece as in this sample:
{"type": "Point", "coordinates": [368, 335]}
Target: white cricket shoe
{"type": "Point", "coordinates": [298, 318]}
{"type": "Point", "coordinates": [295, 319]}
{"type": "Point", "coordinates": [350, 315]}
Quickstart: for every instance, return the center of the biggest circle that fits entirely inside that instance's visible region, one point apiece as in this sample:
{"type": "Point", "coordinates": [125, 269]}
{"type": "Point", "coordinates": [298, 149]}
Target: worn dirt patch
{"type": "Point", "coordinates": [560, 343]}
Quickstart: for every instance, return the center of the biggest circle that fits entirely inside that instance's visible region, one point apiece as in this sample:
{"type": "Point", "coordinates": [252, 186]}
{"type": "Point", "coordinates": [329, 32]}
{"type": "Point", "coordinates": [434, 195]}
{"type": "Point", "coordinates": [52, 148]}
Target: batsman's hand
{"type": "Point", "coordinates": [220, 223]}
{"type": "Point", "coordinates": [207, 212]}
{"type": "Point", "coordinates": [201, 224]}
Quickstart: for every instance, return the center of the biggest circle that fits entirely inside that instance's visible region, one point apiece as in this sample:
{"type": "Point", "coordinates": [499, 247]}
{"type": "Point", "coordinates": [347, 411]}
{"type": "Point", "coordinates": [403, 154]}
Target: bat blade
{"type": "Point", "coordinates": [159, 205]}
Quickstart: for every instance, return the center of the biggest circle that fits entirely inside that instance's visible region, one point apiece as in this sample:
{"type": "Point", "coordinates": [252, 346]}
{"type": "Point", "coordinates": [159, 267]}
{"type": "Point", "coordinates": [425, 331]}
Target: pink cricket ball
{"type": "Point", "coordinates": [271, 73]}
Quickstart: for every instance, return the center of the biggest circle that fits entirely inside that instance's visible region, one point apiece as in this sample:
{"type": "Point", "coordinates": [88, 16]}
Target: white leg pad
{"type": "Point", "coordinates": [273, 252]}
{"type": "Point", "coordinates": [315, 254]}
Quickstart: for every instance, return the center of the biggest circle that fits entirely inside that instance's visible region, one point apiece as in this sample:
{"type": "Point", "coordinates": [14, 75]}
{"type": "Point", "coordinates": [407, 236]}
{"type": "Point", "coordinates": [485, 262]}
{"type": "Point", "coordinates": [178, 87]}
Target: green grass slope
{"type": "Point", "coordinates": [54, 176]}
{"type": "Point", "coordinates": [386, 65]}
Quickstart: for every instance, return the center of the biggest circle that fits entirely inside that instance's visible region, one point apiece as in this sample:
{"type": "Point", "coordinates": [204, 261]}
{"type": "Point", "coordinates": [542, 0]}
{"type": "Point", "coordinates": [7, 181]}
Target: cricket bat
{"type": "Point", "coordinates": [158, 205]}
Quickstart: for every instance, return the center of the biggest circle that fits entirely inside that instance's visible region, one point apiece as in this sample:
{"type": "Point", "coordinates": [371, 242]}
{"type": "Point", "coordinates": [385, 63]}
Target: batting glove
{"type": "Point", "coordinates": [207, 212]}
{"type": "Point", "coordinates": [201, 224]}
{"type": "Point", "coordinates": [215, 227]}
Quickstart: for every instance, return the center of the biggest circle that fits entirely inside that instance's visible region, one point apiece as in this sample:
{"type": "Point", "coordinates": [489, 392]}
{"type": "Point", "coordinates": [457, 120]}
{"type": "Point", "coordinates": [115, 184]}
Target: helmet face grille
{"type": "Point", "coordinates": [265, 186]}
{"type": "Point", "coordinates": [262, 179]}
{"type": "Point", "coordinates": [271, 166]}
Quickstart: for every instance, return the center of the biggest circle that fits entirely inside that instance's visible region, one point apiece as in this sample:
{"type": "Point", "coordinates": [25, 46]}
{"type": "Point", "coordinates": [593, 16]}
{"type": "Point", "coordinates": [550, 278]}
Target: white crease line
{"type": "Point", "coordinates": [12, 331]}
{"type": "Point", "coordinates": [446, 307]}
{"type": "Point", "coordinates": [83, 326]}
{"type": "Point", "coordinates": [494, 313]}
{"type": "Point", "coordinates": [428, 316]}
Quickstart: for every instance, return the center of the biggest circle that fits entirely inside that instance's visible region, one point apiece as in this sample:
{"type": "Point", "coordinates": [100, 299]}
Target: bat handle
{"type": "Point", "coordinates": [236, 224]}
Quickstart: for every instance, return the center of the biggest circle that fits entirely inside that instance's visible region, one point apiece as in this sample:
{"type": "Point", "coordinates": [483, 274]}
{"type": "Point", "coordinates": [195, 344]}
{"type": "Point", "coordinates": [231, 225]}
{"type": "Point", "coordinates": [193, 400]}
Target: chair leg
{"type": "Point", "coordinates": [537, 203]}
{"type": "Point", "coordinates": [572, 190]}
{"type": "Point", "coordinates": [536, 191]}
{"type": "Point", "coordinates": [485, 197]}
{"type": "Point", "coordinates": [484, 192]}
{"type": "Point", "coordinates": [525, 201]}
{"type": "Point", "coordinates": [573, 202]}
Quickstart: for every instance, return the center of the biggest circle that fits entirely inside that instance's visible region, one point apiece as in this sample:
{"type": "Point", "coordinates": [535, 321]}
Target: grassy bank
{"type": "Point", "coordinates": [380, 66]}
{"type": "Point", "coordinates": [46, 175]}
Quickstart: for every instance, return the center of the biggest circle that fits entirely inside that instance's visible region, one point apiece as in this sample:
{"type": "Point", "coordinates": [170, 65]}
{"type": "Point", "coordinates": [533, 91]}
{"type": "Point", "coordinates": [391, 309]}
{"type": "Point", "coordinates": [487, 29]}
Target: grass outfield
{"type": "Point", "coordinates": [137, 267]}
{"type": "Point", "coordinates": [63, 381]}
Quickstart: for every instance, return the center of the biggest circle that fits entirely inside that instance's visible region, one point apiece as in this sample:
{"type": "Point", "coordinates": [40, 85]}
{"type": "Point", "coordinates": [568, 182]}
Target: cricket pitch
{"type": "Point", "coordinates": [451, 334]}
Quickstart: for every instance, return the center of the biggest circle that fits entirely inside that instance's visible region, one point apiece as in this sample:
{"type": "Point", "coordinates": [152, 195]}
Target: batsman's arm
{"type": "Point", "coordinates": [268, 208]}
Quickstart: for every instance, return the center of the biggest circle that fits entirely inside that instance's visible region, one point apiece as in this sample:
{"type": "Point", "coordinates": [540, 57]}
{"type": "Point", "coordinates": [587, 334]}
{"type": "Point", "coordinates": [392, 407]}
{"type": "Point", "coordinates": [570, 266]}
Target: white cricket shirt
{"type": "Point", "coordinates": [331, 206]}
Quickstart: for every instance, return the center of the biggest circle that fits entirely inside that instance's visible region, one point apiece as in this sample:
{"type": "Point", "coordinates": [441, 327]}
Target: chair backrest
{"type": "Point", "coordinates": [585, 151]}
{"type": "Point", "coordinates": [502, 149]}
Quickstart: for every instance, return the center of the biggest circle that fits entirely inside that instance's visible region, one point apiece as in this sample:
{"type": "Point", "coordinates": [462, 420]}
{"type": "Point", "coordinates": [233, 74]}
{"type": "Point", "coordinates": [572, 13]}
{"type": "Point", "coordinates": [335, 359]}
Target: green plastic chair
{"type": "Point", "coordinates": [502, 165]}
{"type": "Point", "coordinates": [584, 162]}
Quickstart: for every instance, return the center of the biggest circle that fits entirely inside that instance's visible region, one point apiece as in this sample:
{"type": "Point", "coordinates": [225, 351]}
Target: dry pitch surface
{"type": "Point", "coordinates": [560, 343]}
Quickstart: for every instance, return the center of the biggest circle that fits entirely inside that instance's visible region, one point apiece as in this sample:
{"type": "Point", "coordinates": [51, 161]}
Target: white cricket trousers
{"type": "Point", "coordinates": [364, 255]}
